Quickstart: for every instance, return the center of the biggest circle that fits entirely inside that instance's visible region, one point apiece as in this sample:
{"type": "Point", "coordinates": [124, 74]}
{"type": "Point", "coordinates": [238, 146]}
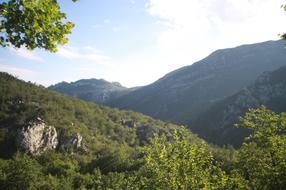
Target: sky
{"type": "Point", "coordinates": [136, 42]}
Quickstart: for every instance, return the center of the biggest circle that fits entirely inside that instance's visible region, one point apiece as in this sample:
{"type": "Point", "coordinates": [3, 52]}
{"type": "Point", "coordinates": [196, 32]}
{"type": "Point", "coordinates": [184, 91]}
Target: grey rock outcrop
{"type": "Point", "coordinates": [37, 138]}
{"type": "Point", "coordinates": [73, 143]}
{"type": "Point", "coordinates": [129, 123]}
{"type": "Point", "coordinates": [146, 132]}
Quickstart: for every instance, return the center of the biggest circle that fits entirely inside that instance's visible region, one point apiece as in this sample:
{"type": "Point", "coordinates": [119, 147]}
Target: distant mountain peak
{"type": "Point", "coordinates": [93, 90]}
{"type": "Point", "coordinates": [181, 95]}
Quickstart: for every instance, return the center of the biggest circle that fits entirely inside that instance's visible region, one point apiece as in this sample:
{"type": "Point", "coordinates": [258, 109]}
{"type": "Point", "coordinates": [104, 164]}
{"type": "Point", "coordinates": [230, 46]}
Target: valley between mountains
{"type": "Point", "coordinates": [220, 87]}
{"type": "Point", "coordinates": [219, 124]}
{"type": "Point", "coordinates": [215, 124]}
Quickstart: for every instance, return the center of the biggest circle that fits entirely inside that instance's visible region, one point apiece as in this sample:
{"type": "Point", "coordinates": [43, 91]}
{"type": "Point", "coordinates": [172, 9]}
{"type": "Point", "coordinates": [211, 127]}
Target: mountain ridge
{"type": "Point", "coordinates": [191, 89]}
{"type": "Point", "coordinates": [92, 90]}
{"type": "Point", "coordinates": [185, 94]}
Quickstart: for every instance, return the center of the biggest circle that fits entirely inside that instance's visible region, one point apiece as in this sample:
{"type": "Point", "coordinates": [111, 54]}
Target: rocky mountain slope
{"type": "Point", "coordinates": [35, 119]}
{"type": "Point", "coordinates": [182, 95]}
{"type": "Point", "coordinates": [93, 90]}
{"type": "Point", "coordinates": [217, 124]}
{"type": "Point", "coordinates": [50, 141]}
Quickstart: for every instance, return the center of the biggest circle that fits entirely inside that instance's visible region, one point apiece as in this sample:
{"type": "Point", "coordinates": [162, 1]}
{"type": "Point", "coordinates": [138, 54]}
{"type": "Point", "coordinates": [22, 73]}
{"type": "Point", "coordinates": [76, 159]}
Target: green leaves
{"type": "Point", "coordinates": [178, 161]}
{"type": "Point", "coordinates": [265, 123]}
{"type": "Point", "coordinates": [262, 161]}
{"type": "Point", "coordinates": [180, 165]}
{"type": "Point", "coordinates": [283, 36]}
{"type": "Point", "coordinates": [22, 173]}
{"type": "Point", "coordinates": [33, 24]}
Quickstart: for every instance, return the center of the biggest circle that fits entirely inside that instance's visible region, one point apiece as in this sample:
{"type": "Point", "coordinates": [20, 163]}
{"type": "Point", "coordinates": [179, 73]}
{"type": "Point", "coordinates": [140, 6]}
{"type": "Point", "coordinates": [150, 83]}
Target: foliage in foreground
{"type": "Point", "coordinates": [262, 159]}
{"type": "Point", "coordinates": [167, 164]}
{"type": "Point", "coordinates": [283, 36]}
{"type": "Point", "coordinates": [33, 24]}
{"type": "Point", "coordinates": [116, 159]}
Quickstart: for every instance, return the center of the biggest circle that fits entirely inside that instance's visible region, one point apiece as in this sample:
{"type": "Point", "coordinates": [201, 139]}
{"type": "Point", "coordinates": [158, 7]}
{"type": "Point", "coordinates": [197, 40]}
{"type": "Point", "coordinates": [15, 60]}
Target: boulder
{"type": "Point", "coordinates": [74, 143]}
{"type": "Point", "coordinates": [37, 138]}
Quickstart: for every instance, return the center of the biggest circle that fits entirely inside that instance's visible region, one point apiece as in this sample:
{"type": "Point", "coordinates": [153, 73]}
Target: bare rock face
{"type": "Point", "coordinates": [128, 123]}
{"type": "Point", "coordinates": [74, 143]}
{"type": "Point", "coordinates": [37, 138]}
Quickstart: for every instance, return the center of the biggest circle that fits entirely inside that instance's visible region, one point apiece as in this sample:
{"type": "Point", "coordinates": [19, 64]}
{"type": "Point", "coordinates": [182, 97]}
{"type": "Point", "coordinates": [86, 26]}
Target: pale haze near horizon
{"type": "Point", "coordinates": [135, 42]}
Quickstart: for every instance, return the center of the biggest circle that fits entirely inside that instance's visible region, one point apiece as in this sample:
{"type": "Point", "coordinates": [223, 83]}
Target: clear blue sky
{"type": "Point", "coordinates": [135, 42]}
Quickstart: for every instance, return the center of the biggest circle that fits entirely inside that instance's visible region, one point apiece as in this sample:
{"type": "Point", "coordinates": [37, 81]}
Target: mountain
{"type": "Point", "coordinates": [93, 90]}
{"type": "Point", "coordinates": [37, 119]}
{"type": "Point", "coordinates": [182, 95]}
{"type": "Point", "coordinates": [50, 141]}
{"type": "Point", "coordinates": [269, 90]}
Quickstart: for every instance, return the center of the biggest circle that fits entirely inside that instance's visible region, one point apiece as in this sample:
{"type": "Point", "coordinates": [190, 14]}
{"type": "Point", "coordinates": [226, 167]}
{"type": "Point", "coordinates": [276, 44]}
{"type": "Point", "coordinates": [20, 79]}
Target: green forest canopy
{"type": "Point", "coordinates": [179, 161]}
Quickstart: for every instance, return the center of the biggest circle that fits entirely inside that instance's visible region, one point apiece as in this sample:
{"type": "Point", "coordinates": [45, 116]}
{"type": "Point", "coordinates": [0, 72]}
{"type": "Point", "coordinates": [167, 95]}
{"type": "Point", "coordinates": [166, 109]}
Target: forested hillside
{"type": "Point", "coordinates": [269, 90]}
{"type": "Point", "coordinates": [191, 94]}
{"type": "Point", "coordinates": [68, 140]}
{"type": "Point", "coordinates": [100, 127]}
{"type": "Point", "coordinates": [49, 141]}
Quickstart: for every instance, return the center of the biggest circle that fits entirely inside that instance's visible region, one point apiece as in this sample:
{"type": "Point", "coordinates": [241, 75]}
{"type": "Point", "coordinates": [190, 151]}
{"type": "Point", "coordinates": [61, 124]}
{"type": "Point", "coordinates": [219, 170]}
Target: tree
{"type": "Point", "coordinates": [262, 159]}
{"type": "Point", "coordinates": [33, 24]}
{"type": "Point", "coordinates": [284, 35]}
{"type": "Point", "coordinates": [22, 173]}
{"type": "Point", "coordinates": [180, 165]}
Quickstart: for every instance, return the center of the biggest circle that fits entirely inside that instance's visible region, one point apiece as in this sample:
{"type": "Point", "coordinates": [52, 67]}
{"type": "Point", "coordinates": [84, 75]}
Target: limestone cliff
{"type": "Point", "coordinates": [37, 138]}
